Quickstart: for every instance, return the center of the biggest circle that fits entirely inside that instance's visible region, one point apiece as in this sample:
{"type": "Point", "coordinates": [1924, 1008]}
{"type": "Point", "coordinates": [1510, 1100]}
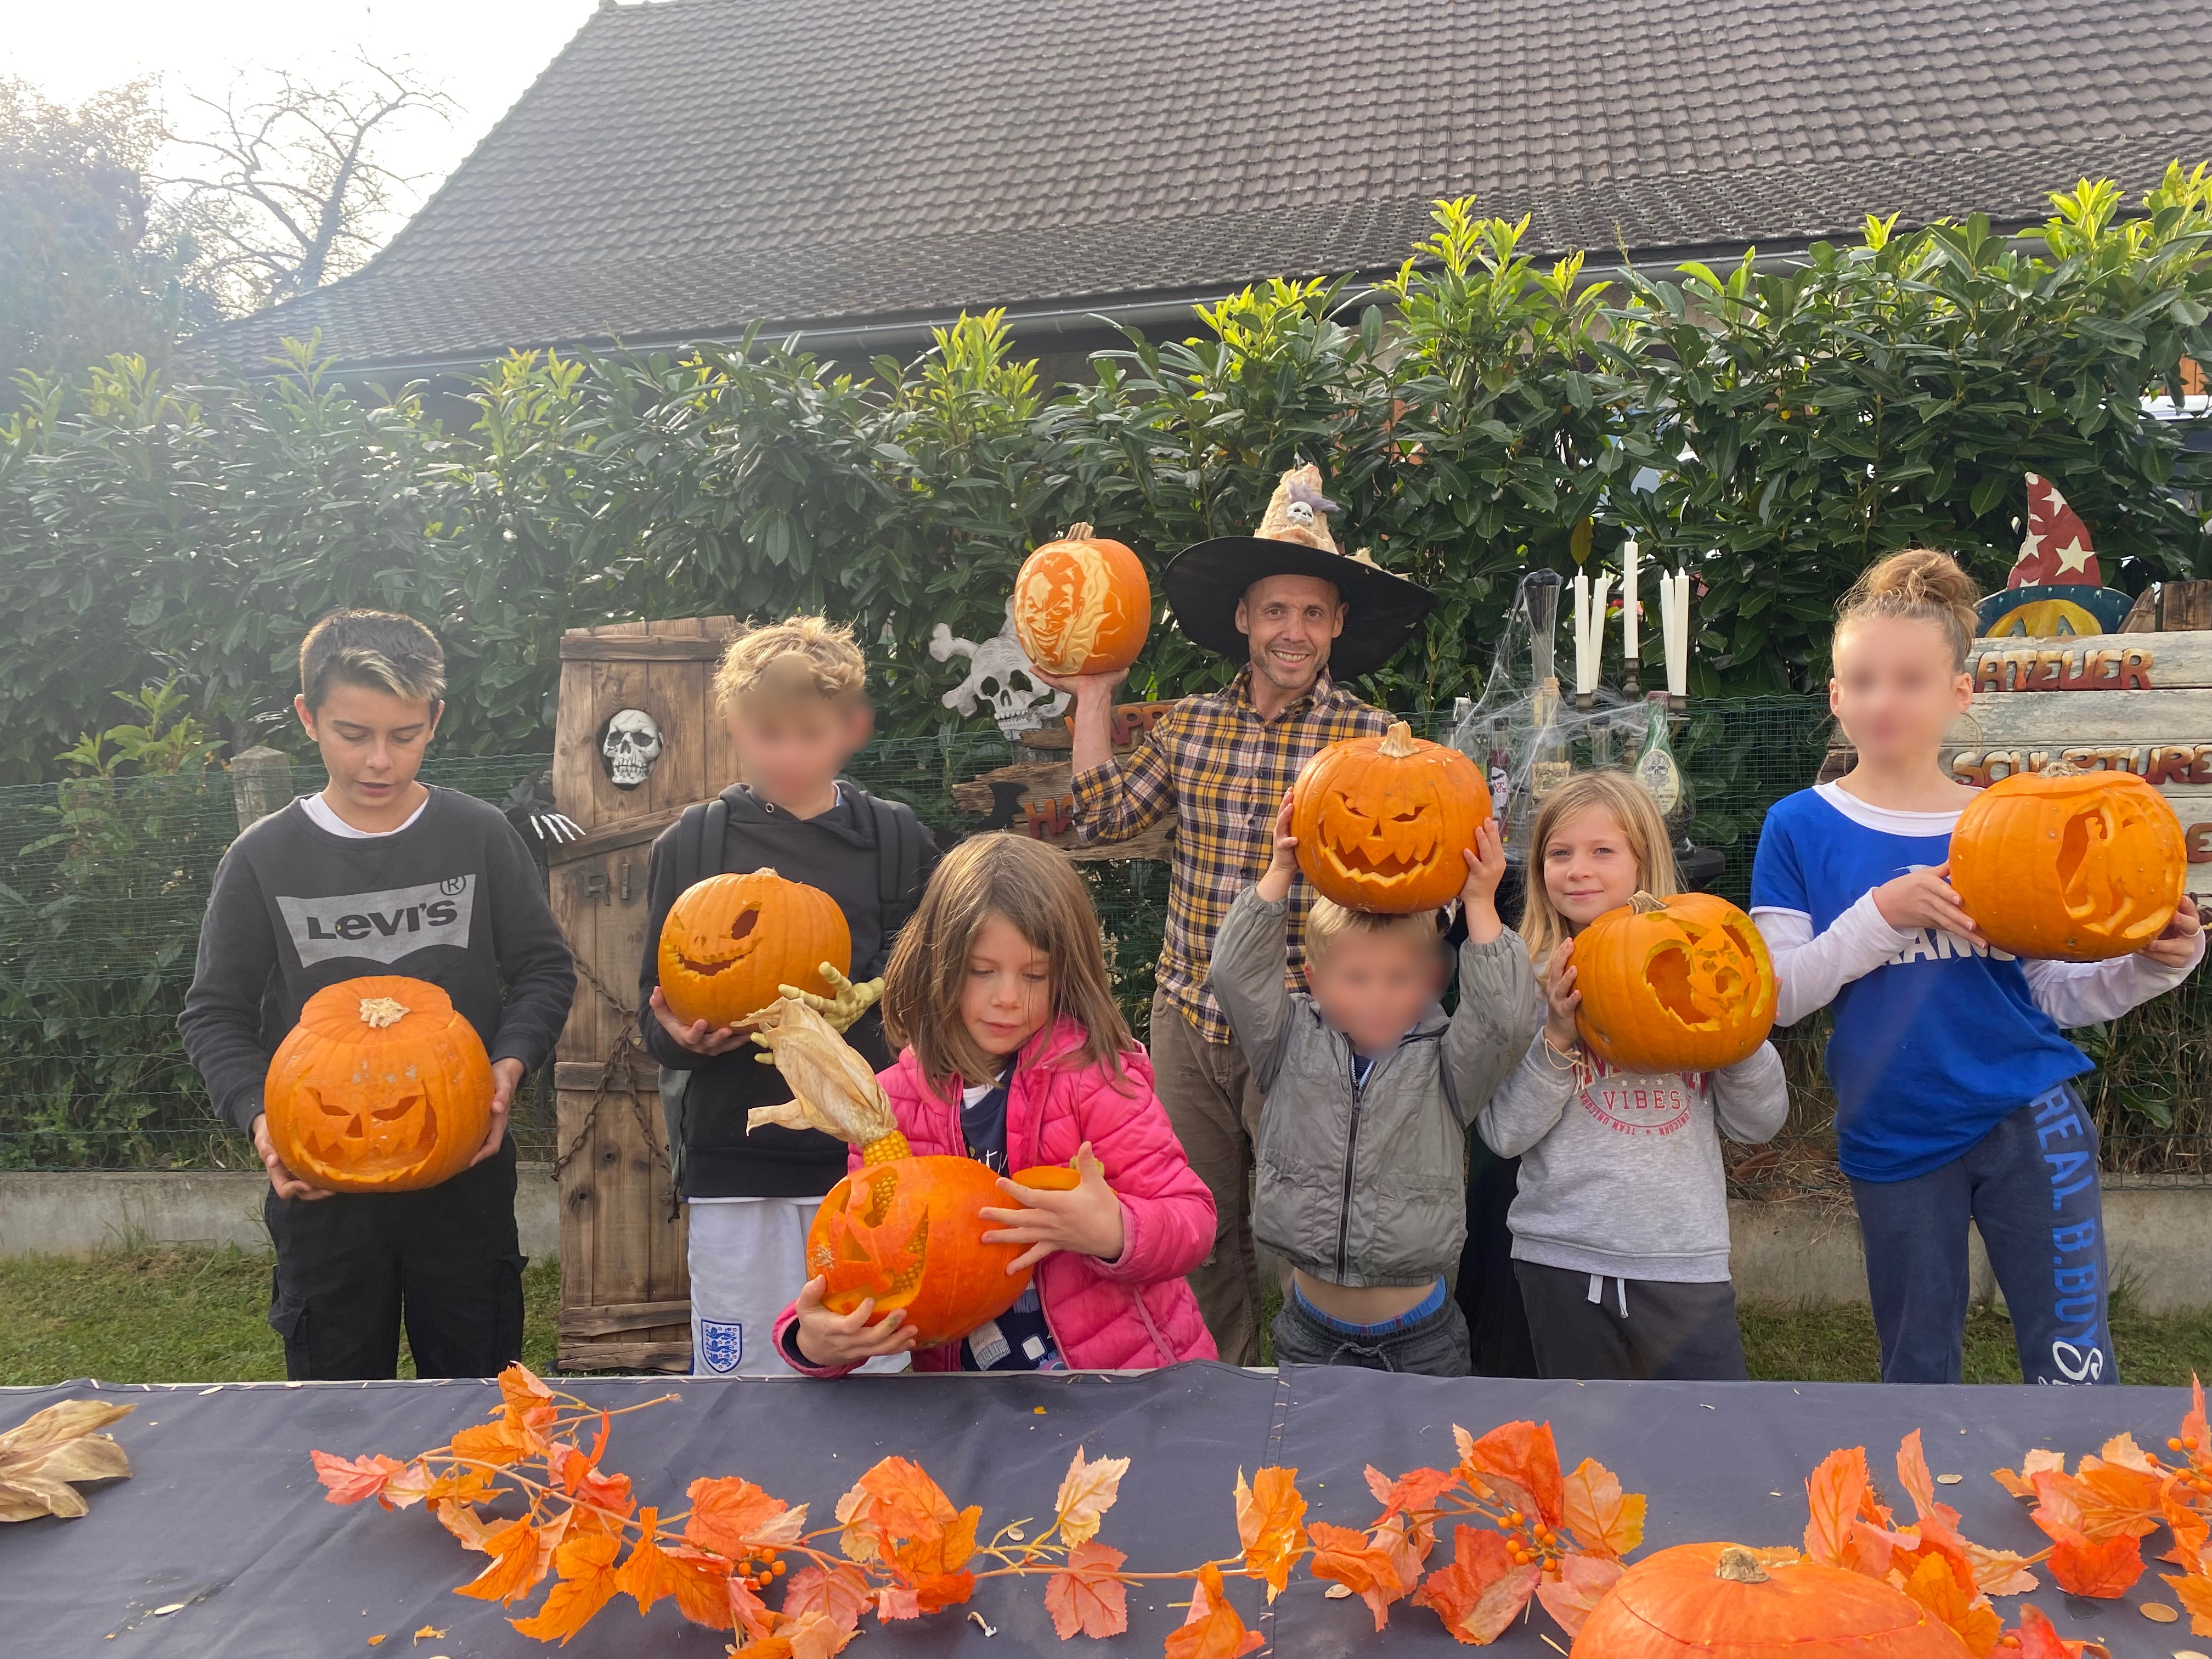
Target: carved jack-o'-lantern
{"type": "Point", "coordinates": [1722, 1601]}
{"type": "Point", "coordinates": [730, 941]}
{"type": "Point", "coordinates": [1679, 984]}
{"type": "Point", "coordinates": [382, 1087]}
{"type": "Point", "coordinates": [2070, 865]}
{"type": "Point", "coordinates": [1082, 604]}
{"type": "Point", "coordinates": [1382, 822]}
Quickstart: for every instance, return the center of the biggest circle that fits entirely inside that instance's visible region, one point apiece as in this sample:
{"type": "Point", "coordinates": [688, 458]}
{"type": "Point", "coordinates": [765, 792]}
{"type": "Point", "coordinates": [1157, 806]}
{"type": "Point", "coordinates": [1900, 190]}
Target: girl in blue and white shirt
{"type": "Point", "coordinates": [1951, 1075]}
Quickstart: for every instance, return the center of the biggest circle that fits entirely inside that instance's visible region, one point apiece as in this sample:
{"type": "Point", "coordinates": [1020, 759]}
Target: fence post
{"type": "Point", "coordinates": [261, 783]}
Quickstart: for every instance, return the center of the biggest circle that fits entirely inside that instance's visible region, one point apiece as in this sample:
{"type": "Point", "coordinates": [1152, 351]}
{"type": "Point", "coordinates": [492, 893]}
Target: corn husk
{"type": "Point", "coordinates": [832, 1087]}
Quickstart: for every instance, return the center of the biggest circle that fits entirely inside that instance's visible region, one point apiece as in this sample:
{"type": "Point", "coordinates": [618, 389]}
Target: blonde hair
{"type": "Point", "coordinates": [789, 661]}
{"type": "Point", "coordinates": [1918, 585]}
{"type": "Point", "coordinates": [1632, 808]}
{"type": "Point", "coordinates": [1037, 888]}
{"type": "Point", "coordinates": [1328, 921]}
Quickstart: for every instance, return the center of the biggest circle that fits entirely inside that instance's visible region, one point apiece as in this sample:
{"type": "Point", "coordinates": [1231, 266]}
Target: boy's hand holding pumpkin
{"type": "Point", "coordinates": [1485, 868]}
{"type": "Point", "coordinates": [2177, 946]}
{"type": "Point", "coordinates": [1086, 1218]}
{"type": "Point", "coordinates": [1283, 868]}
{"type": "Point", "coordinates": [698, 1037]}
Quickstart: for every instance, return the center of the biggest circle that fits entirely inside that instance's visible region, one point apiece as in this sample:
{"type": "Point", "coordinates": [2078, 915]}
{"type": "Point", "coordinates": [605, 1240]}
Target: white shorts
{"type": "Point", "coordinates": [748, 1258]}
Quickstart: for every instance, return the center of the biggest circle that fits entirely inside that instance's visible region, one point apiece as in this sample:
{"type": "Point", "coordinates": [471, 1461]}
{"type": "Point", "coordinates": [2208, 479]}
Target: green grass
{"type": "Point", "coordinates": [1836, 1344]}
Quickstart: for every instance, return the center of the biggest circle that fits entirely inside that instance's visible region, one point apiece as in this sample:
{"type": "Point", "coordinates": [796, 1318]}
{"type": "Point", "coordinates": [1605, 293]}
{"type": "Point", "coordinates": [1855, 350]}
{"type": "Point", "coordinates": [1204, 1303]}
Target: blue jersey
{"type": "Point", "coordinates": [1935, 1046]}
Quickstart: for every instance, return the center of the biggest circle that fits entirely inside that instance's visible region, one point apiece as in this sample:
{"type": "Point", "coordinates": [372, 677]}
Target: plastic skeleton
{"type": "Point", "coordinates": [1000, 672]}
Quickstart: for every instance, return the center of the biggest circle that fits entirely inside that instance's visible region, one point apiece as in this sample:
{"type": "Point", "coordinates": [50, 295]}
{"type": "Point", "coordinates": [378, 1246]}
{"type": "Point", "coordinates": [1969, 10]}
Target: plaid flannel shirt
{"type": "Point", "coordinates": [1224, 770]}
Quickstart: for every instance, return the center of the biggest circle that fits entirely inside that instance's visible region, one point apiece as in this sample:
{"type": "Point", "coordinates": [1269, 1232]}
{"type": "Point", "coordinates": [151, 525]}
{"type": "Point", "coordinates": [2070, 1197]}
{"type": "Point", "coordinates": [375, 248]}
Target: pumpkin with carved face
{"type": "Point", "coordinates": [730, 941]}
{"type": "Point", "coordinates": [1679, 984]}
{"type": "Point", "coordinates": [382, 1087]}
{"type": "Point", "coordinates": [1082, 604]}
{"type": "Point", "coordinates": [1382, 822]}
{"type": "Point", "coordinates": [2069, 865]}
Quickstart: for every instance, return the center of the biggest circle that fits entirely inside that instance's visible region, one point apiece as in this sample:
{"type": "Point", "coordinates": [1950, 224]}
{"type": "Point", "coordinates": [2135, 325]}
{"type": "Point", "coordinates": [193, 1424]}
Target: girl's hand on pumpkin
{"type": "Point", "coordinates": [1086, 1220]}
{"type": "Point", "coordinates": [281, 1178]}
{"type": "Point", "coordinates": [834, 1339]}
{"type": "Point", "coordinates": [1485, 868]}
{"type": "Point", "coordinates": [1561, 1001]}
{"type": "Point", "coordinates": [506, 1077]}
{"type": "Point", "coordinates": [1923, 898]}
{"type": "Point", "coordinates": [698, 1037]}
{"type": "Point", "coordinates": [1283, 868]}
{"type": "Point", "coordinates": [2177, 946]}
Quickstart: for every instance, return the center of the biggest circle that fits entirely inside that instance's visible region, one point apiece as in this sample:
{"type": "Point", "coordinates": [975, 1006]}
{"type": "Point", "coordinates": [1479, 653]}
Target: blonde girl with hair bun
{"type": "Point", "coordinates": [1620, 1235]}
{"type": "Point", "coordinates": [1952, 1078]}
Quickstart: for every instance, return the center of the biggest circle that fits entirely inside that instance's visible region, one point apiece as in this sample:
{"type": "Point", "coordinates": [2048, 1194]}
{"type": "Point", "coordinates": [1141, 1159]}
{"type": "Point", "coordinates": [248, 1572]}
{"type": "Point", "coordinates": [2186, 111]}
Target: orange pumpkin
{"type": "Point", "coordinates": [1382, 822]}
{"type": "Point", "coordinates": [730, 941]}
{"type": "Point", "coordinates": [906, 1232]}
{"type": "Point", "coordinates": [1680, 984]}
{"type": "Point", "coordinates": [1722, 1602]}
{"type": "Point", "coordinates": [1082, 604]}
{"type": "Point", "coordinates": [2069, 864]}
{"type": "Point", "coordinates": [382, 1087]}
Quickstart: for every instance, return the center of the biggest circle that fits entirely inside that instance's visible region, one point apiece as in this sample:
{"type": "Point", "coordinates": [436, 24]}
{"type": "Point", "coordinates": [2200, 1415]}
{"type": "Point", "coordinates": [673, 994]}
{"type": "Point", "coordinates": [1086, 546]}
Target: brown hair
{"type": "Point", "coordinates": [1542, 927]}
{"type": "Point", "coordinates": [1328, 921]}
{"type": "Point", "coordinates": [799, 657]}
{"type": "Point", "coordinates": [1920, 585]}
{"type": "Point", "coordinates": [372, 649]}
{"type": "Point", "coordinates": [1036, 888]}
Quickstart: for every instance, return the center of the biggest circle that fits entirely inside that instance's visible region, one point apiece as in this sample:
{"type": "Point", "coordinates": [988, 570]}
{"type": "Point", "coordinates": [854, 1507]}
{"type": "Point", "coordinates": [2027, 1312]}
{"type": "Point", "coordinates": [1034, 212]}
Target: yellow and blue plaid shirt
{"type": "Point", "coordinates": [1223, 769]}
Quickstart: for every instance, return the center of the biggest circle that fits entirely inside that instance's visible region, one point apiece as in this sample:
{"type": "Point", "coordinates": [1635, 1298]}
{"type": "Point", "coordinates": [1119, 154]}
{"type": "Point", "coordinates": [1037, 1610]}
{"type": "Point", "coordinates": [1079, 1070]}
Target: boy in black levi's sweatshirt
{"type": "Point", "coordinates": [378, 874]}
{"type": "Point", "coordinates": [795, 694]}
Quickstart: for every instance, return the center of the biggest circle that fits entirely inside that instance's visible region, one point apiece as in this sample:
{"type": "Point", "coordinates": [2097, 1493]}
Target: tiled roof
{"type": "Point", "coordinates": [686, 167]}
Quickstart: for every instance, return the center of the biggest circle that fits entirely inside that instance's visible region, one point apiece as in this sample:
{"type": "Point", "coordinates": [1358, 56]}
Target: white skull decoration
{"type": "Point", "coordinates": [629, 743]}
{"type": "Point", "coordinates": [1000, 672]}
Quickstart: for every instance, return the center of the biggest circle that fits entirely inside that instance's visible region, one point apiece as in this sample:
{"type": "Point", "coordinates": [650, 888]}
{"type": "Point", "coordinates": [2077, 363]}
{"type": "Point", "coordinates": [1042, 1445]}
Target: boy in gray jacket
{"type": "Point", "coordinates": [1362, 1152]}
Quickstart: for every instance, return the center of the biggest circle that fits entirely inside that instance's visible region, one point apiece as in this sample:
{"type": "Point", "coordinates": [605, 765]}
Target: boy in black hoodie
{"type": "Point", "coordinates": [795, 696]}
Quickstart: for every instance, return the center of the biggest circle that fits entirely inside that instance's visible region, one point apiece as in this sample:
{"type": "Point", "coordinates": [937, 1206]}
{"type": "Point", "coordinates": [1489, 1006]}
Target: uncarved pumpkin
{"type": "Point", "coordinates": [1382, 822]}
{"type": "Point", "coordinates": [1082, 604]}
{"type": "Point", "coordinates": [1680, 984]}
{"type": "Point", "coordinates": [730, 941]}
{"type": "Point", "coordinates": [908, 1231]}
{"type": "Point", "coordinates": [2069, 864]}
{"type": "Point", "coordinates": [382, 1087]}
{"type": "Point", "coordinates": [1721, 1602]}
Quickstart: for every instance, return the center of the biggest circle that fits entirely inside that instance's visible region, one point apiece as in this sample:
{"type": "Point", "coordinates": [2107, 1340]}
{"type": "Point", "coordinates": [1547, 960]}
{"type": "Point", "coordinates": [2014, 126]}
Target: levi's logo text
{"type": "Point", "coordinates": [381, 927]}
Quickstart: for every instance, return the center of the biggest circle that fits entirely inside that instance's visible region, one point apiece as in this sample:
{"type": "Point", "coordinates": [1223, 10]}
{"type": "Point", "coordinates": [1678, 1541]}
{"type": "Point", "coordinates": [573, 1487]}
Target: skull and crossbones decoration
{"type": "Point", "coordinates": [1000, 673]}
{"type": "Point", "coordinates": [629, 744]}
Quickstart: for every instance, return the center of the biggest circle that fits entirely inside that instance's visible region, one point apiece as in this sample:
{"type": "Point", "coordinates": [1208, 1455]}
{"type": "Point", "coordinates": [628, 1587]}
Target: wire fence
{"type": "Point", "coordinates": [103, 884]}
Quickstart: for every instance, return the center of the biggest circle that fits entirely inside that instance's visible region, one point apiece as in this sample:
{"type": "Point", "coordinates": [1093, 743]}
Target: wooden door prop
{"type": "Point", "coordinates": [637, 741]}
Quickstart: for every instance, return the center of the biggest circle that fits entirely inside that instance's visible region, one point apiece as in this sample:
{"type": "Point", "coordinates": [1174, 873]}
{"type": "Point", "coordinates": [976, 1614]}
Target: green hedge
{"type": "Point", "coordinates": [1482, 416]}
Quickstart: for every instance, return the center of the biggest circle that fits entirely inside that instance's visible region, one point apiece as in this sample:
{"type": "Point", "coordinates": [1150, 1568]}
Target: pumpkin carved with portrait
{"type": "Point", "coordinates": [730, 941]}
{"type": "Point", "coordinates": [1678, 984]}
{"type": "Point", "coordinates": [1082, 604]}
{"type": "Point", "coordinates": [1383, 822]}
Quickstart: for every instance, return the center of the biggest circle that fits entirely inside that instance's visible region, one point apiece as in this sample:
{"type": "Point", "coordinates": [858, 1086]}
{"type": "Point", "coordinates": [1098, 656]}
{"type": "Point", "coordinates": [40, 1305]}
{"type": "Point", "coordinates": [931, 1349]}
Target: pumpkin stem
{"type": "Point", "coordinates": [1078, 531]}
{"type": "Point", "coordinates": [1398, 741]}
{"type": "Point", "coordinates": [1739, 1566]}
{"type": "Point", "coordinates": [377, 1012]}
{"type": "Point", "coordinates": [1644, 903]}
{"type": "Point", "coordinates": [2062, 768]}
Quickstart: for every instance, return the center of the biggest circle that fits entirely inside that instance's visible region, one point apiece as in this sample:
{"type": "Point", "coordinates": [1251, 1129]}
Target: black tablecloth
{"type": "Point", "coordinates": [224, 1514]}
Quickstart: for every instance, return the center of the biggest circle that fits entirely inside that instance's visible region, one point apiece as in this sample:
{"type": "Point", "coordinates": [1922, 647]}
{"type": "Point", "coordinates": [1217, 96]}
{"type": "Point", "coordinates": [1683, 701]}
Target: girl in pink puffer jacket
{"type": "Point", "coordinates": [1017, 1054]}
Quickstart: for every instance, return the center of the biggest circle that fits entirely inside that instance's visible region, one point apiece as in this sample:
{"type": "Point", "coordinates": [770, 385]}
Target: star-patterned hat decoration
{"type": "Point", "coordinates": [2056, 549]}
{"type": "Point", "coordinates": [2055, 588]}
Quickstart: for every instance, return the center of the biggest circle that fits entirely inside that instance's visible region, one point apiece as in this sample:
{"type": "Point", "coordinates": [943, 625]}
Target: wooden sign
{"type": "Point", "coordinates": [1037, 797]}
{"type": "Point", "coordinates": [2131, 703]}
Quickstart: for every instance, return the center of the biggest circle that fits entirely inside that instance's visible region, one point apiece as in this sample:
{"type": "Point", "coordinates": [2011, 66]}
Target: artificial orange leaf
{"type": "Point", "coordinates": [2192, 1530]}
{"type": "Point", "coordinates": [1086, 1492]}
{"type": "Point", "coordinates": [1582, 1582]}
{"type": "Point", "coordinates": [840, 1592]}
{"type": "Point", "coordinates": [907, 1503]}
{"type": "Point", "coordinates": [2039, 1639]}
{"type": "Point", "coordinates": [349, 1480]}
{"type": "Point", "coordinates": [1604, 1520]}
{"type": "Point", "coordinates": [1348, 1558]}
{"type": "Point", "coordinates": [1407, 1544]}
{"type": "Point", "coordinates": [897, 1601]}
{"type": "Point", "coordinates": [856, 1516]}
{"type": "Point", "coordinates": [944, 1549]}
{"type": "Point", "coordinates": [1933, 1585]}
{"type": "Point", "coordinates": [1414, 1493]}
{"type": "Point", "coordinates": [698, 1583]}
{"type": "Point", "coordinates": [586, 1583]}
{"type": "Point", "coordinates": [1834, 1494]}
{"type": "Point", "coordinates": [2122, 1450]}
{"type": "Point", "coordinates": [464, 1523]}
{"type": "Point", "coordinates": [2000, 1572]}
{"type": "Point", "coordinates": [933, 1592]}
{"type": "Point", "coordinates": [488, 1442]}
{"type": "Point", "coordinates": [814, 1636]}
{"type": "Point", "coordinates": [1212, 1630]}
{"type": "Point", "coordinates": [2194, 1592]}
{"type": "Point", "coordinates": [1086, 1595]}
{"type": "Point", "coordinates": [747, 1610]}
{"type": "Point", "coordinates": [1920, 1486]}
{"type": "Point", "coordinates": [521, 1390]}
{"type": "Point", "coordinates": [461, 1484]}
{"type": "Point", "coordinates": [1523, 1455]}
{"type": "Point", "coordinates": [517, 1563]}
{"type": "Point", "coordinates": [2103, 1568]}
{"type": "Point", "coordinates": [2113, 1496]}
{"type": "Point", "coordinates": [1480, 1591]}
{"type": "Point", "coordinates": [2040, 1460]}
{"type": "Point", "coordinates": [729, 1514]}
{"type": "Point", "coordinates": [2194, 1435]}
{"type": "Point", "coordinates": [1270, 1524]}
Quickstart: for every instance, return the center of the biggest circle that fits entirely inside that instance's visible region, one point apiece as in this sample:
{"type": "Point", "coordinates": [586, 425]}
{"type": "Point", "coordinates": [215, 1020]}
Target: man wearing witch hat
{"type": "Point", "coordinates": [1302, 617]}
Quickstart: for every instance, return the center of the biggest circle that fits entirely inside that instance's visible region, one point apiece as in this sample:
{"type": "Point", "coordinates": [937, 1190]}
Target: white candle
{"type": "Point", "coordinates": [1675, 618]}
{"type": "Point", "coordinates": [1598, 591]}
{"type": "Point", "coordinates": [1582, 633]}
{"type": "Point", "coordinates": [1628, 597]}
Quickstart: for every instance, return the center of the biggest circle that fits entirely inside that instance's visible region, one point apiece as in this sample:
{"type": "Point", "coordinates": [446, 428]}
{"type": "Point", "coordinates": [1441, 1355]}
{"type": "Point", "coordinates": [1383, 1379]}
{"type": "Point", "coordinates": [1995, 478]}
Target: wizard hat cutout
{"type": "Point", "coordinates": [2055, 588]}
{"type": "Point", "coordinates": [1206, 582]}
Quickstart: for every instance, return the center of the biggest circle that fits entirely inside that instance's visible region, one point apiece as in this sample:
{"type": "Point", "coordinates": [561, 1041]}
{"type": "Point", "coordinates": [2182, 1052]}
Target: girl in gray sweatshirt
{"type": "Point", "coordinates": [1621, 1229]}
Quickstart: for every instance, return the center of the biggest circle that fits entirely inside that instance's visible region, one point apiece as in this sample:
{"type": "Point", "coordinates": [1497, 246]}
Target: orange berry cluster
{"type": "Point", "coordinates": [759, 1567]}
{"type": "Point", "coordinates": [1530, 1539]}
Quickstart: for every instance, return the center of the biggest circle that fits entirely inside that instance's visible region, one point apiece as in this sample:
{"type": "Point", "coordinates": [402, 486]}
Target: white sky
{"type": "Point", "coordinates": [482, 53]}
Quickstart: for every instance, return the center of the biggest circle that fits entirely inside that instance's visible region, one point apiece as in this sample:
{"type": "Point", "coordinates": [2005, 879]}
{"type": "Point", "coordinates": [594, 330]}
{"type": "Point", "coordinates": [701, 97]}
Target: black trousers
{"type": "Point", "coordinates": [1640, 1330]}
{"type": "Point", "coordinates": [447, 1260]}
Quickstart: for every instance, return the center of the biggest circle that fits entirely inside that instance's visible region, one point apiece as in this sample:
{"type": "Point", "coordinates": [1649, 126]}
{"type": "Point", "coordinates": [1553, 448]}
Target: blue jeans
{"type": "Point", "coordinates": [1433, 1346]}
{"type": "Point", "coordinates": [2030, 1186]}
